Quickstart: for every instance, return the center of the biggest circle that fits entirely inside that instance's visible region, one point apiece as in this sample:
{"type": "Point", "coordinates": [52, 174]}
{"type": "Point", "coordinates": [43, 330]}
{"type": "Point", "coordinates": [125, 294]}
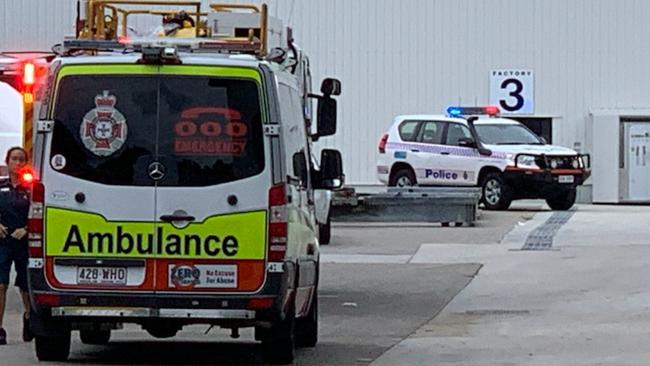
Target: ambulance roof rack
{"type": "Point", "coordinates": [103, 26]}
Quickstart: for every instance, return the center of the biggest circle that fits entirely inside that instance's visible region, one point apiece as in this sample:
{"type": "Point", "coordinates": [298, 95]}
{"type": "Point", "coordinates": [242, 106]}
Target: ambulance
{"type": "Point", "coordinates": [173, 179]}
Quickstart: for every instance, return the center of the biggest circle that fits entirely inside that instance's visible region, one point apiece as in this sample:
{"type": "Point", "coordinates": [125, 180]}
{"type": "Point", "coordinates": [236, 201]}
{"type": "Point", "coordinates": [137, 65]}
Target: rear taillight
{"type": "Point", "coordinates": [277, 223]}
{"type": "Point", "coordinates": [35, 221]}
{"type": "Point", "coordinates": [382, 144]}
{"type": "Point", "coordinates": [259, 303]}
{"type": "Point", "coordinates": [47, 299]}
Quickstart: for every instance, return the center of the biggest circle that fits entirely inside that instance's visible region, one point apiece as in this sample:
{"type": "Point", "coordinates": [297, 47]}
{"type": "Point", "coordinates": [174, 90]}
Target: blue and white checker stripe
{"type": "Point", "coordinates": [437, 149]}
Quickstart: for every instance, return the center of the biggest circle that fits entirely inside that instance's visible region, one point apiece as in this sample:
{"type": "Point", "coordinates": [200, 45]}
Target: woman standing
{"type": "Point", "coordinates": [14, 208]}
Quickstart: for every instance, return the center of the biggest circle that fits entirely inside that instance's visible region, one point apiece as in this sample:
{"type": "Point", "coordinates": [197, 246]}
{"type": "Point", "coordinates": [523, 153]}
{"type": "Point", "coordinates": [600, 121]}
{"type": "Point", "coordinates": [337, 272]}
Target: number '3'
{"type": "Point", "coordinates": [519, 87]}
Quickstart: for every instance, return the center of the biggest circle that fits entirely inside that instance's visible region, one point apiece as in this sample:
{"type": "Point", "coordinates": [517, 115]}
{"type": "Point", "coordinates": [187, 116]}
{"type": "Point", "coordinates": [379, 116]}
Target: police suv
{"type": "Point", "coordinates": [500, 155]}
{"type": "Point", "coordinates": [174, 183]}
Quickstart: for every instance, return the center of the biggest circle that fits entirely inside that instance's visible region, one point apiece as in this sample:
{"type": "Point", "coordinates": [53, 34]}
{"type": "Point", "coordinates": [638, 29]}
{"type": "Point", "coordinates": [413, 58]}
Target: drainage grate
{"type": "Point", "coordinates": [542, 237]}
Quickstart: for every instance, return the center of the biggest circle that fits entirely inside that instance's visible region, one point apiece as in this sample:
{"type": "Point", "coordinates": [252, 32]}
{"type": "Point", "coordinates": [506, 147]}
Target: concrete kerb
{"type": "Point", "coordinates": [480, 253]}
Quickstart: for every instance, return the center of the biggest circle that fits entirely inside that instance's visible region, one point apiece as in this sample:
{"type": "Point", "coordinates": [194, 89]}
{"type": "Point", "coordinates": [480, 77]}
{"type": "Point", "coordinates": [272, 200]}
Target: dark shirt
{"type": "Point", "coordinates": [14, 207]}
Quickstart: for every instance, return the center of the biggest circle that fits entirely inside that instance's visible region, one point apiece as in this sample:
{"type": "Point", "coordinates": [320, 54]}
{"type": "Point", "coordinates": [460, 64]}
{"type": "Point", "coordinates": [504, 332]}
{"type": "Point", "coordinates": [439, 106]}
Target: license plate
{"type": "Point", "coordinates": [565, 179]}
{"type": "Point", "coordinates": [101, 275]}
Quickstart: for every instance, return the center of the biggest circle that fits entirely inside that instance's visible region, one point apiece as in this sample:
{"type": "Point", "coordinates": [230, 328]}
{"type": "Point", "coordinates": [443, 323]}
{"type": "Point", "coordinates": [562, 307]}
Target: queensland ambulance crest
{"type": "Point", "coordinates": [104, 130]}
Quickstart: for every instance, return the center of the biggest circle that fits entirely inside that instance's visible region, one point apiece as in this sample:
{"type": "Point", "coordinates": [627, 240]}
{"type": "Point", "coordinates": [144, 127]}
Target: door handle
{"type": "Point", "coordinates": [170, 218]}
{"type": "Point", "coordinates": [444, 153]}
{"type": "Point", "coordinates": [643, 155]}
{"type": "Point", "coordinates": [415, 150]}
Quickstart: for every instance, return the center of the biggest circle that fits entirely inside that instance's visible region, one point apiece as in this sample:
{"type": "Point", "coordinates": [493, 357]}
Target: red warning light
{"type": "Point", "coordinates": [491, 110]}
{"type": "Point", "coordinates": [26, 177]}
{"type": "Point", "coordinates": [29, 74]}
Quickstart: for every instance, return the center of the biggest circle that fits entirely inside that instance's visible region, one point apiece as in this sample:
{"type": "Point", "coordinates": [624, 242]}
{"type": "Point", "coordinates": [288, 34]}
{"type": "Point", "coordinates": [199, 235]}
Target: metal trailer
{"type": "Point", "coordinates": [445, 205]}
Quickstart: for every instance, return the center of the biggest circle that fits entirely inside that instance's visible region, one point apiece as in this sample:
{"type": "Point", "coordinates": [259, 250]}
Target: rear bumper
{"type": "Point", "coordinates": [82, 310]}
{"type": "Point", "coordinates": [543, 183]}
{"type": "Point", "coordinates": [134, 312]}
{"type": "Point", "coordinates": [183, 306]}
{"type": "Point", "coordinates": [383, 173]}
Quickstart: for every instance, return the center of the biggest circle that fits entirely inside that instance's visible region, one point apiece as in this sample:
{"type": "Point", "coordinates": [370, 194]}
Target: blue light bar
{"type": "Point", "coordinates": [489, 110]}
{"type": "Point", "coordinates": [454, 111]}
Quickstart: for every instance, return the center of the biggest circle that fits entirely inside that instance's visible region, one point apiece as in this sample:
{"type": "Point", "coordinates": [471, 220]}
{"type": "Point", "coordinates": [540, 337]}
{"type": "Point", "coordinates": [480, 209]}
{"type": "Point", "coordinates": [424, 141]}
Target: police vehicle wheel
{"type": "Point", "coordinates": [53, 348]}
{"type": "Point", "coordinates": [162, 331]}
{"type": "Point", "coordinates": [324, 232]}
{"type": "Point", "coordinates": [496, 194]}
{"type": "Point", "coordinates": [95, 337]}
{"type": "Point", "coordinates": [278, 344]}
{"type": "Point", "coordinates": [307, 327]}
{"type": "Point", "coordinates": [403, 178]}
{"type": "Point", "coordinates": [562, 201]}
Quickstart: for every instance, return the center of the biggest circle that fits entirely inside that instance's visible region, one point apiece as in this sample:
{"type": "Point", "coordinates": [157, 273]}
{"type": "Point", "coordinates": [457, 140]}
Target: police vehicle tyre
{"type": "Point", "coordinates": [496, 194]}
{"type": "Point", "coordinates": [403, 178]}
{"type": "Point", "coordinates": [324, 232]}
{"type": "Point", "coordinates": [53, 348]}
{"type": "Point", "coordinates": [279, 343]}
{"type": "Point", "coordinates": [95, 337]}
{"type": "Point", "coordinates": [307, 327]}
{"type": "Point", "coordinates": [162, 331]}
{"type": "Point", "coordinates": [562, 201]}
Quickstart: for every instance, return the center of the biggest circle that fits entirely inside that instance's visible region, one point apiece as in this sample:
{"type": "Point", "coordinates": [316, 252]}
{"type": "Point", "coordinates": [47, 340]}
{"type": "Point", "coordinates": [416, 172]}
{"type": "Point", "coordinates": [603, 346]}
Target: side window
{"type": "Point", "coordinates": [408, 130]}
{"type": "Point", "coordinates": [431, 132]}
{"type": "Point", "coordinates": [455, 132]}
{"type": "Point", "coordinates": [294, 134]}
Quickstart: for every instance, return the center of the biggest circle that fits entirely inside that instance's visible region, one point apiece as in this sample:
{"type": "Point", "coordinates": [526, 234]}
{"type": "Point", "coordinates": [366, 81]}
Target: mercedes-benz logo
{"type": "Point", "coordinates": [156, 171]}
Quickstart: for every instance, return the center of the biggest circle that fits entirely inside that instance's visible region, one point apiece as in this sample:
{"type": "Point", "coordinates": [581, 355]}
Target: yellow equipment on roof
{"type": "Point", "coordinates": [109, 20]}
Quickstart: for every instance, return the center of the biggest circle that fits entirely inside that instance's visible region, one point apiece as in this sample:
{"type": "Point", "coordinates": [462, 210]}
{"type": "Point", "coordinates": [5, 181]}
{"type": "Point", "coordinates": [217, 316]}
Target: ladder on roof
{"type": "Point", "coordinates": [239, 28]}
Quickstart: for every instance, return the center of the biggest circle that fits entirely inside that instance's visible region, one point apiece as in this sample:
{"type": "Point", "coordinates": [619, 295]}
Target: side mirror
{"type": "Point", "coordinates": [326, 110]}
{"type": "Point", "coordinates": [330, 87]}
{"type": "Point", "coordinates": [331, 169]}
{"type": "Point", "coordinates": [326, 124]}
{"type": "Point", "coordinates": [466, 142]}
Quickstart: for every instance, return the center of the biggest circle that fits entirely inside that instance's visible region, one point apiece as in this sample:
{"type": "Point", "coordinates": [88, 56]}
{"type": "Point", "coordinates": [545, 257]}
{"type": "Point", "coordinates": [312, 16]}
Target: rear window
{"type": "Point", "coordinates": [204, 131]}
{"type": "Point", "coordinates": [408, 130]}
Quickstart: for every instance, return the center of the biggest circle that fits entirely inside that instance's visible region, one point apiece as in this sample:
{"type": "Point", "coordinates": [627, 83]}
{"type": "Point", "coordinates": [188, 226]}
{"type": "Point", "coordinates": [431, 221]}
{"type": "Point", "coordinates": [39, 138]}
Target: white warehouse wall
{"type": "Point", "coordinates": [419, 56]}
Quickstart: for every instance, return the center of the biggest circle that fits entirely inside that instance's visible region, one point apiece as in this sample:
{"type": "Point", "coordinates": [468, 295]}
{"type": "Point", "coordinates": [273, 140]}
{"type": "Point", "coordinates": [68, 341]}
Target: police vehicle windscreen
{"type": "Point", "coordinates": [110, 128]}
{"type": "Point", "coordinates": [506, 134]}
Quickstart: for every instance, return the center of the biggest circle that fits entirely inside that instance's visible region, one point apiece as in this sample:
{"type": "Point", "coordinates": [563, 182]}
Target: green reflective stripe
{"type": "Point", "coordinates": [224, 71]}
{"type": "Point", "coordinates": [107, 70]}
{"type": "Point", "coordinates": [236, 72]}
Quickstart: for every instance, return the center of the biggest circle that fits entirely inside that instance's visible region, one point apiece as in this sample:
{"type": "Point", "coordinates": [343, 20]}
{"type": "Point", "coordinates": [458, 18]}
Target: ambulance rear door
{"type": "Point", "coordinates": [213, 180]}
{"type": "Point", "coordinates": [99, 195]}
